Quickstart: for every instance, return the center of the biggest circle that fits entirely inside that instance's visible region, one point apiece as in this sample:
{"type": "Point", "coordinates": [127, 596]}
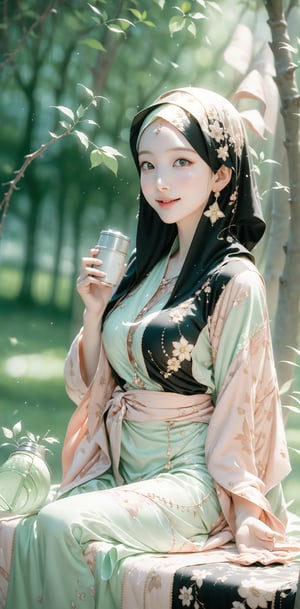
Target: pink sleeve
{"type": "Point", "coordinates": [73, 371]}
{"type": "Point", "coordinates": [246, 445]}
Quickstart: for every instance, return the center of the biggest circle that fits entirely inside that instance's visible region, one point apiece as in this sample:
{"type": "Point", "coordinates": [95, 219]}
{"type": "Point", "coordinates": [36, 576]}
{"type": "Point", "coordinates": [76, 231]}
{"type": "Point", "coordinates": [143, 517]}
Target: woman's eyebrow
{"type": "Point", "coordinates": [175, 149]}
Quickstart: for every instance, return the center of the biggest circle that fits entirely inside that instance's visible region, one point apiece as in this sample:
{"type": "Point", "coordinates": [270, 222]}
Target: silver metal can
{"type": "Point", "coordinates": [113, 249]}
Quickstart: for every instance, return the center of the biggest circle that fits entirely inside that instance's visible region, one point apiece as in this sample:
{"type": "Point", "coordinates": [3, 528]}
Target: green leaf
{"type": "Point", "coordinates": [192, 29]}
{"type": "Point", "coordinates": [295, 450]}
{"type": "Point", "coordinates": [95, 10]}
{"type": "Point", "coordinates": [80, 111]}
{"type": "Point", "coordinates": [198, 16]}
{"type": "Point", "coordinates": [253, 152]}
{"type": "Point", "coordinates": [286, 386]}
{"type": "Point", "coordinates": [115, 28]}
{"type": "Point", "coordinates": [216, 7]}
{"type": "Point", "coordinates": [54, 135]}
{"type": "Point", "coordinates": [178, 8]}
{"type": "Point", "coordinates": [125, 23]}
{"type": "Point", "coordinates": [67, 111]}
{"type": "Point", "coordinates": [111, 163]}
{"type": "Point", "coordinates": [89, 92]}
{"type": "Point", "coordinates": [293, 397]}
{"type": "Point", "coordinates": [112, 151]}
{"type": "Point", "coordinates": [271, 162]}
{"type": "Point", "coordinates": [102, 97]}
{"type": "Point", "coordinates": [17, 428]}
{"type": "Point", "coordinates": [31, 436]}
{"type": "Point", "coordinates": [89, 121]}
{"type": "Point", "coordinates": [295, 350]}
{"type": "Point", "coordinates": [136, 13]}
{"type": "Point", "coordinates": [94, 44]}
{"type": "Point", "coordinates": [51, 440]}
{"type": "Point", "coordinates": [291, 408]}
{"type": "Point", "coordinates": [7, 432]}
{"type": "Point", "coordinates": [284, 361]}
{"type": "Point", "coordinates": [176, 24]}
{"type": "Point", "coordinates": [96, 158]}
{"type": "Point", "coordinates": [84, 140]}
{"type": "Point", "coordinates": [288, 47]}
{"type": "Point", "coordinates": [65, 125]}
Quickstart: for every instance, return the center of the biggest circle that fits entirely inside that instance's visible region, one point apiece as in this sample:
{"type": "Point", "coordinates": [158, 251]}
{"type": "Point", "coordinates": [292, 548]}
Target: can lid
{"type": "Point", "coordinates": [33, 448]}
{"type": "Point", "coordinates": [114, 240]}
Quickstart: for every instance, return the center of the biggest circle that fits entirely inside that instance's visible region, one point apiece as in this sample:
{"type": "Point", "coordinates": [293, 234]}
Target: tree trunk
{"type": "Point", "coordinates": [279, 225]}
{"type": "Point", "coordinates": [59, 235]}
{"type": "Point", "coordinates": [287, 315]}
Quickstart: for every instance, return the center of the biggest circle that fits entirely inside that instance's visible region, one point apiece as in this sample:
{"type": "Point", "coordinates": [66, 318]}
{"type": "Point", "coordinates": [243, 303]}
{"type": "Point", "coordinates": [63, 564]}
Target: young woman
{"type": "Point", "coordinates": [177, 443]}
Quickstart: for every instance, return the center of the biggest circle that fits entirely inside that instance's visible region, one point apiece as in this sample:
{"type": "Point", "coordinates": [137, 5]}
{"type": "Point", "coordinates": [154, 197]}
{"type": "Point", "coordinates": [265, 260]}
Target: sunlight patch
{"type": "Point", "coordinates": [34, 365]}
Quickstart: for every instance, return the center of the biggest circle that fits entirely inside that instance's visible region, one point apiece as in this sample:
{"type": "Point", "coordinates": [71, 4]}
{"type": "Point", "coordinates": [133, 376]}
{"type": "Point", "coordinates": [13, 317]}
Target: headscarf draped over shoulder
{"type": "Point", "coordinates": [228, 227]}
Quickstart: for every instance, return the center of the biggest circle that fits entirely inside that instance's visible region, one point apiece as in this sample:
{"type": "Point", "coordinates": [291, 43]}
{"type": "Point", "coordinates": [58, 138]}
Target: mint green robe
{"type": "Point", "coordinates": [169, 501]}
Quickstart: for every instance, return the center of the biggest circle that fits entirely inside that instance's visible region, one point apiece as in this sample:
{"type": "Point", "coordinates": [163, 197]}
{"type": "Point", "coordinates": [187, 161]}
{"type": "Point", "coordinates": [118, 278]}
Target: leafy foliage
{"type": "Point", "coordinates": [99, 154]}
{"type": "Point", "coordinates": [16, 438]}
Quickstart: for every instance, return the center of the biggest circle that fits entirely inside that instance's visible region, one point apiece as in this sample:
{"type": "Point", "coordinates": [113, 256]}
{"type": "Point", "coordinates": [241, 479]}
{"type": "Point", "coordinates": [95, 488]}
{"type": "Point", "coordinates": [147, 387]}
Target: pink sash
{"type": "Point", "coordinates": [94, 430]}
{"type": "Point", "coordinates": [150, 406]}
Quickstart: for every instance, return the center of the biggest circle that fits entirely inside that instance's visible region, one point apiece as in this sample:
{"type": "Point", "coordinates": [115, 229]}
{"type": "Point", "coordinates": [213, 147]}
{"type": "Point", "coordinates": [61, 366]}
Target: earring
{"type": "Point", "coordinates": [214, 213]}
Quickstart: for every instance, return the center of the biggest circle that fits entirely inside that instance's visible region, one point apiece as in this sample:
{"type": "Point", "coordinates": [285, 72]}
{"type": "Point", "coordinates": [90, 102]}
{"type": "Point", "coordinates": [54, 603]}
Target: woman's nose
{"type": "Point", "coordinates": [162, 182]}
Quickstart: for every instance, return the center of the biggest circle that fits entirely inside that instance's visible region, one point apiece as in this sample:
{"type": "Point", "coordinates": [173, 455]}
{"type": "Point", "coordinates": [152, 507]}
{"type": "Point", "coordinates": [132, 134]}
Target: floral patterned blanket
{"type": "Point", "coordinates": [152, 582]}
{"type": "Point", "coordinates": [228, 586]}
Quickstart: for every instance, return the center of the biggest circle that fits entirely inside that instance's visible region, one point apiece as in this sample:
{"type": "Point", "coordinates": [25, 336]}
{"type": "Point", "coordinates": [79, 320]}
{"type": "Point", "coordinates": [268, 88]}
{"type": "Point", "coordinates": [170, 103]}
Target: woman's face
{"type": "Point", "coordinates": [175, 180]}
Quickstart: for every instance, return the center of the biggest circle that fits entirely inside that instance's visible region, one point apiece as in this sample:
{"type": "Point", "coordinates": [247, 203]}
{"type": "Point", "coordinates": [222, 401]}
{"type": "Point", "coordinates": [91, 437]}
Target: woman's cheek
{"type": "Point", "coordinates": [145, 187]}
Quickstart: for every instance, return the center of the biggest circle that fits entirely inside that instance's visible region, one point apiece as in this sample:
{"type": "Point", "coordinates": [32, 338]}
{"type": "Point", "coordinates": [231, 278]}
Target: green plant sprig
{"type": "Point", "coordinates": [15, 437]}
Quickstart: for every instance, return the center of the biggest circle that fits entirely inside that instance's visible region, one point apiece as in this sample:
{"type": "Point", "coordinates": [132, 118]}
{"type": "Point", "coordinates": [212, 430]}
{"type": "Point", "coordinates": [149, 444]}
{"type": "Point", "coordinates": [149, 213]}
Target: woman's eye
{"type": "Point", "coordinates": [182, 163]}
{"type": "Point", "coordinates": [146, 165]}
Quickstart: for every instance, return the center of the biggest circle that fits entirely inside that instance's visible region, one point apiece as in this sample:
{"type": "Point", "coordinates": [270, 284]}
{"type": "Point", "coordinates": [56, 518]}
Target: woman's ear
{"type": "Point", "coordinates": [221, 178]}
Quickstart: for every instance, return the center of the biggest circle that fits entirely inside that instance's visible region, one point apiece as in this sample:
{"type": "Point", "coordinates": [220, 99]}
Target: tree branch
{"type": "Point", "coordinates": [10, 56]}
{"type": "Point", "coordinates": [19, 175]}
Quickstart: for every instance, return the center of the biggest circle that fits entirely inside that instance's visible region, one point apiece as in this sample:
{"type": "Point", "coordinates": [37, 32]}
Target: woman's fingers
{"type": "Point", "coordinates": [90, 267]}
{"type": "Point", "coordinates": [255, 535]}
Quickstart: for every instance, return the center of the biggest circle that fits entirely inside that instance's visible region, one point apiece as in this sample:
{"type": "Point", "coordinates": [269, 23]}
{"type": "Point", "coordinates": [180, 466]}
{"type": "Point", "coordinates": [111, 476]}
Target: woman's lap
{"type": "Point", "coordinates": [155, 515]}
{"type": "Point", "coordinates": [151, 515]}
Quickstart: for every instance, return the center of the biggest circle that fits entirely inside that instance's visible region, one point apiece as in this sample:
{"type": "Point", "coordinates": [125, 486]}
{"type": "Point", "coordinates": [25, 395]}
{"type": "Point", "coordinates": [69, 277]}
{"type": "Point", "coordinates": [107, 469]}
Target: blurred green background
{"type": "Point", "coordinates": [127, 52]}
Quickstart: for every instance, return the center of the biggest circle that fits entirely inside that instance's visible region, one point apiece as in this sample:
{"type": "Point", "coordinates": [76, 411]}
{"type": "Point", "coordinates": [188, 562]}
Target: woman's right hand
{"type": "Point", "coordinates": [94, 293]}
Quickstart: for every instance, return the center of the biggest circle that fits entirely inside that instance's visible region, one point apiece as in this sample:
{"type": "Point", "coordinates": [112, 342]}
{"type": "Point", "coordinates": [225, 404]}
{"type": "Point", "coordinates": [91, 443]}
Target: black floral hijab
{"type": "Point", "coordinates": [231, 225]}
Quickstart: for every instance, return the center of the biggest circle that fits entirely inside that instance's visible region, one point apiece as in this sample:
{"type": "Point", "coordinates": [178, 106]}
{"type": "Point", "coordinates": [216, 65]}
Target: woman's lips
{"type": "Point", "coordinates": [167, 202]}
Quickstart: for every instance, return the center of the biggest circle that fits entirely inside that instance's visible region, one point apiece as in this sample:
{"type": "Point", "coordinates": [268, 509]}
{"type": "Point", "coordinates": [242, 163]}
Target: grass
{"type": "Point", "coordinates": [33, 346]}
